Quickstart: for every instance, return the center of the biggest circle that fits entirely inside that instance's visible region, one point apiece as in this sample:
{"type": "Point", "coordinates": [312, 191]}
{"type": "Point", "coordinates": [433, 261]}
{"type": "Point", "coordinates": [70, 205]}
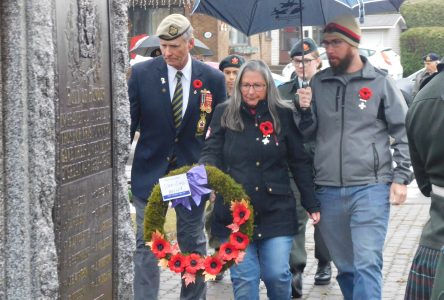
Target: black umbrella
{"type": "Point", "coordinates": [148, 44]}
{"type": "Point", "coordinates": [255, 16]}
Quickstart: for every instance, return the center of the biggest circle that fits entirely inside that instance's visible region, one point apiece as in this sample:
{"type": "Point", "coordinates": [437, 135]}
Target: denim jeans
{"type": "Point", "coordinates": [266, 259]}
{"type": "Point", "coordinates": [354, 224]}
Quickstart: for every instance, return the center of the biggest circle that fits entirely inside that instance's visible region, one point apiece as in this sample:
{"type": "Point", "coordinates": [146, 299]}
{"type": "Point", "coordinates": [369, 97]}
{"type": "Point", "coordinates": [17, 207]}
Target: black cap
{"type": "Point", "coordinates": [233, 61]}
{"type": "Point", "coordinates": [430, 57]}
{"type": "Point", "coordinates": [308, 47]}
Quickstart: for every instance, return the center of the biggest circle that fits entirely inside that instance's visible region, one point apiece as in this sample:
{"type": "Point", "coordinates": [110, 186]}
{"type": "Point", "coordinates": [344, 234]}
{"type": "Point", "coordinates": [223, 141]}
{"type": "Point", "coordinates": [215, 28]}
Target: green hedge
{"type": "Point", "coordinates": [417, 42]}
{"type": "Point", "coordinates": [423, 13]}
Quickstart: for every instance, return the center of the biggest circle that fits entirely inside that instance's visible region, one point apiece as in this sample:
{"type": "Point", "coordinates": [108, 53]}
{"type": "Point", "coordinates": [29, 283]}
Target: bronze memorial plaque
{"type": "Point", "coordinates": [84, 206]}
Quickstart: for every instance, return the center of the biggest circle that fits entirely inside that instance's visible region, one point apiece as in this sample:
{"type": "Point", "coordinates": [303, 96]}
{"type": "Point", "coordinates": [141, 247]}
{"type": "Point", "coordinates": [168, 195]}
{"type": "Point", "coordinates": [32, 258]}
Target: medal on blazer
{"type": "Point", "coordinates": [206, 100]}
{"type": "Point", "coordinates": [201, 124]}
{"type": "Point", "coordinates": [267, 129]}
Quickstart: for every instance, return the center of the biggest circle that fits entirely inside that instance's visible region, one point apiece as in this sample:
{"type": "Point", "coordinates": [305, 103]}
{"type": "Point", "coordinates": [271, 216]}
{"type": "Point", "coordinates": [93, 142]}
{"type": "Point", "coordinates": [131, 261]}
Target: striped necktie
{"type": "Point", "coordinates": [178, 100]}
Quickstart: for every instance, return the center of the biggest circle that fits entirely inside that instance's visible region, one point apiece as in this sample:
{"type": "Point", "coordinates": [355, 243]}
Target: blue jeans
{"type": "Point", "coordinates": [354, 224]}
{"type": "Point", "coordinates": [265, 259]}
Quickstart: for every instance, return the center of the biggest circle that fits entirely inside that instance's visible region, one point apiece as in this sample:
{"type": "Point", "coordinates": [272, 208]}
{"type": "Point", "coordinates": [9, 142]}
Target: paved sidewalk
{"type": "Point", "coordinates": [405, 227]}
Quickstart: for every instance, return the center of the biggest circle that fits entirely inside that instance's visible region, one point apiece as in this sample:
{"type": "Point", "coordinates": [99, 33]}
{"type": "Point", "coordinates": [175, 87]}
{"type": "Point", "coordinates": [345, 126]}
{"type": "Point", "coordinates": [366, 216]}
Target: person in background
{"type": "Point", "coordinates": [355, 110]}
{"type": "Point", "coordinates": [425, 132]}
{"type": "Point", "coordinates": [305, 69]}
{"type": "Point", "coordinates": [155, 53]}
{"type": "Point", "coordinates": [431, 61]}
{"type": "Point", "coordinates": [230, 66]}
{"type": "Point", "coordinates": [254, 139]}
{"type": "Point", "coordinates": [165, 96]}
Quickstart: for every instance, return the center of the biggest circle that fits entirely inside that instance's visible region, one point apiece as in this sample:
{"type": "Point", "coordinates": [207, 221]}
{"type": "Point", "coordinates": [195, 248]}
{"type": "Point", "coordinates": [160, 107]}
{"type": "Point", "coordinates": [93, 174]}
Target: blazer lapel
{"type": "Point", "coordinates": [165, 100]}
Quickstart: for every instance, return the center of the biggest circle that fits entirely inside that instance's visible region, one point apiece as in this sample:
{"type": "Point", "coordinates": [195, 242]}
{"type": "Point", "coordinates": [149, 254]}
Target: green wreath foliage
{"type": "Point", "coordinates": [220, 182]}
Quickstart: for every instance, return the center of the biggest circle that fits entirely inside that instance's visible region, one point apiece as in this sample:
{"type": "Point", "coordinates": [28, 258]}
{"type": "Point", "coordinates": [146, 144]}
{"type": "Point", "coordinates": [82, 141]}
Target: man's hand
{"type": "Point", "coordinates": [398, 193]}
{"type": "Point", "coordinates": [316, 217]}
{"type": "Point", "coordinates": [304, 97]}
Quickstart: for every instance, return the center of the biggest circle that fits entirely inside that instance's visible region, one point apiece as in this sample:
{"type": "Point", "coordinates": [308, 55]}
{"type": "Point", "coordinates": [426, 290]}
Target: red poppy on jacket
{"type": "Point", "coordinates": [177, 263]}
{"type": "Point", "coordinates": [227, 251]}
{"type": "Point", "coordinates": [213, 265]}
{"type": "Point", "coordinates": [197, 84]}
{"type": "Point", "coordinates": [194, 263]}
{"type": "Point", "coordinates": [266, 128]}
{"type": "Point", "coordinates": [241, 213]}
{"type": "Point", "coordinates": [160, 248]}
{"type": "Point", "coordinates": [365, 93]}
{"type": "Point", "coordinates": [239, 240]}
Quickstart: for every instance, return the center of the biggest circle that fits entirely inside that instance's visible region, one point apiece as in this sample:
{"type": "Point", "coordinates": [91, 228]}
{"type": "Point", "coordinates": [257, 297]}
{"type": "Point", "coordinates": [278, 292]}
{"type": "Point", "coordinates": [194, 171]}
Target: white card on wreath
{"type": "Point", "coordinates": [174, 187]}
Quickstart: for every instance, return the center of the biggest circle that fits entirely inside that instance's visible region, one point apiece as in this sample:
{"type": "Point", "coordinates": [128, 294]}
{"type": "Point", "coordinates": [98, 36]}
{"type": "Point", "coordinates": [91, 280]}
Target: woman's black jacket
{"type": "Point", "coordinates": [262, 169]}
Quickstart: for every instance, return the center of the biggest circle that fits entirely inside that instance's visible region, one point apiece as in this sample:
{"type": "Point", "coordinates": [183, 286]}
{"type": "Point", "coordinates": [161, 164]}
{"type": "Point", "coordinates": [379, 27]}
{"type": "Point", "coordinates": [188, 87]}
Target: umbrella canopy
{"type": "Point", "coordinates": [254, 16]}
{"type": "Point", "coordinates": [148, 44]}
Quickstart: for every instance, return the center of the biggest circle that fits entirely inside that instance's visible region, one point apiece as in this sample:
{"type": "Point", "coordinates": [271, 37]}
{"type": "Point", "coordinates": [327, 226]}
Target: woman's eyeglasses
{"type": "Point", "coordinates": [306, 61]}
{"type": "Point", "coordinates": [245, 87]}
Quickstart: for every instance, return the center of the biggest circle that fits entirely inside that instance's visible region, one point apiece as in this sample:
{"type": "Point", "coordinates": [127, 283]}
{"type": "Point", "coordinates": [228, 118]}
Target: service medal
{"type": "Point", "coordinates": [201, 124]}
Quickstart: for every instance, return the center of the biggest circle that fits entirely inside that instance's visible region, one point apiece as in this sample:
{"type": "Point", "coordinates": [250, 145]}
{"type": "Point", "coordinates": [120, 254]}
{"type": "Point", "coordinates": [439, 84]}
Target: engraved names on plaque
{"type": "Point", "coordinates": [84, 209]}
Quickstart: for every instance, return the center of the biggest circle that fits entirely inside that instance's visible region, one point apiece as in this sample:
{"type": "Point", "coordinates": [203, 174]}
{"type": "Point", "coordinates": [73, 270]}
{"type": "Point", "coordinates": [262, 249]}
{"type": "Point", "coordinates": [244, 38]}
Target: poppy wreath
{"type": "Point", "coordinates": [191, 265]}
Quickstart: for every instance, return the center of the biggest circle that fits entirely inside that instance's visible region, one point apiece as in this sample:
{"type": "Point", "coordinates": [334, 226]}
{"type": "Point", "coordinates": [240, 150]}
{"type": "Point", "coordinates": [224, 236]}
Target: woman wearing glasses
{"type": "Point", "coordinates": [252, 137]}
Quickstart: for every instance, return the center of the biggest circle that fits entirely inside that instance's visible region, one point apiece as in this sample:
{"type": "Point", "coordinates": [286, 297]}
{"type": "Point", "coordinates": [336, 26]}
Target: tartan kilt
{"type": "Point", "coordinates": [422, 274]}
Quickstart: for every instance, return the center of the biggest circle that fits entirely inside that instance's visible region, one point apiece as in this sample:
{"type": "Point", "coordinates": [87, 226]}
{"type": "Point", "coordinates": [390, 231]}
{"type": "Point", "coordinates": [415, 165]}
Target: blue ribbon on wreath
{"type": "Point", "coordinates": [197, 179]}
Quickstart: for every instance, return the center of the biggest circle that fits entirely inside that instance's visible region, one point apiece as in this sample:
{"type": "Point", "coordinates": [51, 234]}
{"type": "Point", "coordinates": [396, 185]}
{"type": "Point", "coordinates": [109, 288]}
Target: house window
{"type": "Point", "coordinates": [145, 20]}
{"type": "Point", "coordinates": [237, 37]}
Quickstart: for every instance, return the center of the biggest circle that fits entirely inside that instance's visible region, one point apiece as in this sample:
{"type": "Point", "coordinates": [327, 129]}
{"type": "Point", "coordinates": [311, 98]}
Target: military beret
{"type": "Point", "coordinates": [308, 47]}
{"type": "Point", "coordinates": [233, 61]}
{"type": "Point", "coordinates": [172, 27]}
{"type": "Point", "coordinates": [430, 57]}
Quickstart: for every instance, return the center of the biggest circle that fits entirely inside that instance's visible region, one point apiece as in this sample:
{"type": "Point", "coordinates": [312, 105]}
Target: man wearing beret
{"type": "Point", "coordinates": [431, 61]}
{"type": "Point", "coordinates": [230, 66]}
{"type": "Point", "coordinates": [172, 98]}
{"type": "Point", "coordinates": [355, 109]}
{"type": "Point", "coordinates": [306, 67]}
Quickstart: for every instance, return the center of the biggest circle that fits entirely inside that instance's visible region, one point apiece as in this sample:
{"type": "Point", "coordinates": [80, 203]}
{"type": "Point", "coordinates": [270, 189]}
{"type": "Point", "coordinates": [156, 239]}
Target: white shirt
{"type": "Point", "coordinates": [186, 82]}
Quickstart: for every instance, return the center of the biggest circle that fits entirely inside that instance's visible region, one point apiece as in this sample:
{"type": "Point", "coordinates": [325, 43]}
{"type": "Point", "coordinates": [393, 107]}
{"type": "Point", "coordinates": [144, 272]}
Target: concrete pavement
{"type": "Point", "coordinates": [406, 222]}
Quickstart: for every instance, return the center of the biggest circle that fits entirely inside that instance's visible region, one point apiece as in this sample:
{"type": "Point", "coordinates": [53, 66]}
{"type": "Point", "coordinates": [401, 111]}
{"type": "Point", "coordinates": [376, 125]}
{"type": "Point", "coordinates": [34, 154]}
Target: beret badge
{"type": "Point", "coordinates": [235, 61]}
{"type": "Point", "coordinates": [173, 30]}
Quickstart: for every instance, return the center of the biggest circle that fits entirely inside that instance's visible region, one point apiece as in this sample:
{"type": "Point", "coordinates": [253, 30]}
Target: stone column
{"type": "Point", "coordinates": [29, 145]}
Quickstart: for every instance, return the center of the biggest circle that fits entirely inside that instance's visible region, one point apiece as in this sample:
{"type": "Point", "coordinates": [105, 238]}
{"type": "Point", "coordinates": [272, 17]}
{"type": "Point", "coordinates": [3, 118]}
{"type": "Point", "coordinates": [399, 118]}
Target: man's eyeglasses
{"type": "Point", "coordinates": [306, 61]}
{"type": "Point", "coordinates": [245, 87]}
{"type": "Point", "coordinates": [334, 43]}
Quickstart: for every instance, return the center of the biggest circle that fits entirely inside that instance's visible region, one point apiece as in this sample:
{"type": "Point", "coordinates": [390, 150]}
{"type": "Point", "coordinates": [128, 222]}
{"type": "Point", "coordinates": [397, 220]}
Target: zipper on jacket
{"type": "Point", "coordinates": [337, 98]}
{"type": "Point", "coordinates": [375, 161]}
{"type": "Point", "coordinates": [342, 134]}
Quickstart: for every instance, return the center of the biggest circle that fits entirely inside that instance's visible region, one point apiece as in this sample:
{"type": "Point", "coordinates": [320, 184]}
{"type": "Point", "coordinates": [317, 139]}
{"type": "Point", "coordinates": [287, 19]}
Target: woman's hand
{"type": "Point", "coordinates": [316, 217]}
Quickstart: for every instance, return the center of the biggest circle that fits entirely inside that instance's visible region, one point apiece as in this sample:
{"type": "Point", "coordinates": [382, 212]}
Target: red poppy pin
{"type": "Point", "coordinates": [197, 84]}
{"type": "Point", "coordinates": [364, 95]}
{"type": "Point", "coordinates": [267, 129]}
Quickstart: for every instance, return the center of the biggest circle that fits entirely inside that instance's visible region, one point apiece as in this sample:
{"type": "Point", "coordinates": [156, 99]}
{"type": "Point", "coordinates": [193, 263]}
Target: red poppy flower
{"type": "Point", "coordinates": [197, 84]}
{"type": "Point", "coordinates": [239, 240]}
{"type": "Point", "coordinates": [241, 213]}
{"type": "Point", "coordinates": [365, 93]}
{"type": "Point", "coordinates": [213, 265]}
{"type": "Point", "coordinates": [177, 263]}
{"type": "Point", "coordinates": [194, 263]}
{"type": "Point", "coordinates": [160, 248]}
{"type": "Point", "coordinates": [266, 128]}
{"type": "Point", "coordinates": [228, 251]}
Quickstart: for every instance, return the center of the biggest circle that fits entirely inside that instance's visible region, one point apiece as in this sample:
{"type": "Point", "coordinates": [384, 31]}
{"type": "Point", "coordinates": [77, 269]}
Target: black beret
{"type": "Point", "coordinates": [233, 61]}
{"type": "Point", "coordinates": [308, 47]}
{"type": "Point", "coordinates": [430, 57]}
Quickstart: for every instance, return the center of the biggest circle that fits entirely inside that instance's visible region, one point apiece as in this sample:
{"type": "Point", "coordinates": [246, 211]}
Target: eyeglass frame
{"type": "Point", "coordinates": [305, 62]}
{"type": "Point", "coordinates": [245, 87]}
{"type": "Point", "coordinates": [335, 43]}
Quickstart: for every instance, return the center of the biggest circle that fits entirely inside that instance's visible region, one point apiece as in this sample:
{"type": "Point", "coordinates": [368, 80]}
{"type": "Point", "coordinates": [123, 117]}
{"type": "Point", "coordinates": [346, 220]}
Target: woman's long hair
{"type": "Point", "coordinates": [231, 117]}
